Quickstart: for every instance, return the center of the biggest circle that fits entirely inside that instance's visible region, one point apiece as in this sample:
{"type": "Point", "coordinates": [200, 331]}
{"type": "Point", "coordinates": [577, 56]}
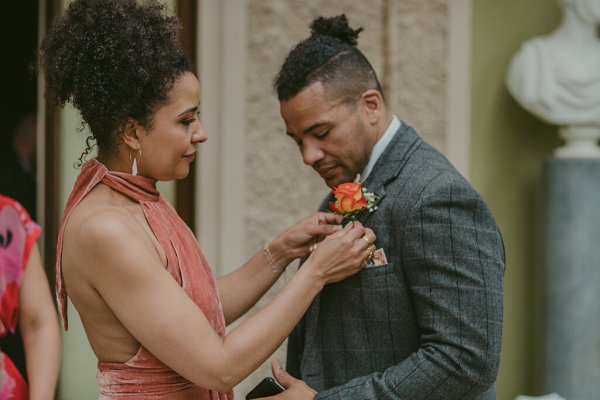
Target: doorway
{"type": "Point", "coordinates": [18, 123]}
{"type": "Point", "coordinates": [18, 104]}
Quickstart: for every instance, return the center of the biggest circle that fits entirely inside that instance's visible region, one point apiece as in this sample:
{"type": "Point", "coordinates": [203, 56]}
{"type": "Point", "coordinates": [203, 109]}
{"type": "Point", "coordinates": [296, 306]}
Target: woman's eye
{"type": "Point", "coordinates": [189, 121]}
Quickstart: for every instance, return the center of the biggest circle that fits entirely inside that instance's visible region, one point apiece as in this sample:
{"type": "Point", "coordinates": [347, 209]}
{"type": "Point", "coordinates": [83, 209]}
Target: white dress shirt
{"type": "Point", "coordinates": [380, 146]}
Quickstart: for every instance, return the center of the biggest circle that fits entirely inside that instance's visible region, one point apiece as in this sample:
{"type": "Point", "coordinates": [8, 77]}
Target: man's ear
{"type": "Point", "coordinates": [129, 132]}
{"type": "Point", "coordinates": [372, 103]}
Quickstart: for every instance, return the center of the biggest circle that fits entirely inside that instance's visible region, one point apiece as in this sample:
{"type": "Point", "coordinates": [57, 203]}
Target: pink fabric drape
{"type": "Point", "coordinates": [144, 376]}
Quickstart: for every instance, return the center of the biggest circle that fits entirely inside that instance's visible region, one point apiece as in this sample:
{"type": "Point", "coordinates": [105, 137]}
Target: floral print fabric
{"type": "Point", "coordinates": [18, 234]}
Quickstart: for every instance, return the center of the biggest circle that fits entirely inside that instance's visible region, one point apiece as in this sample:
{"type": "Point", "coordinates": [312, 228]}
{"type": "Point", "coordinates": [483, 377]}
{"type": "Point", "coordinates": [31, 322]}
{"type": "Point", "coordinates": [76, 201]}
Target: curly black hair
{"type": "Point", "coordinates": [113, 60]}
{"type": "Point", "coordinates": [330, 56]}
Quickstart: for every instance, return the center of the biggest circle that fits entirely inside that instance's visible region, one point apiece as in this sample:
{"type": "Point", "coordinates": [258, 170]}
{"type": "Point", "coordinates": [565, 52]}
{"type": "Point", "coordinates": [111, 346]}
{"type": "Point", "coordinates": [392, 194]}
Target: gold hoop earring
{"type": "Point", "coordinates": [134, 167]}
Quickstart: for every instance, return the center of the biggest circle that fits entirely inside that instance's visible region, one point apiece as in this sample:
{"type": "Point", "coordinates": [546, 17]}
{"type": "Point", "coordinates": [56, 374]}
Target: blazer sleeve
{"type": "Point", "coordinates": [453, 261]}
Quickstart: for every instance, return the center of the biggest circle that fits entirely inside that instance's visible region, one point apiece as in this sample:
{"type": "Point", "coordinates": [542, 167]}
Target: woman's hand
{"type": "Point", "coordinates": [299, 239]}
{"type": "Point", "coordinates": [241, 289]}
{"type": "Point", "coordinates": [342, 253]}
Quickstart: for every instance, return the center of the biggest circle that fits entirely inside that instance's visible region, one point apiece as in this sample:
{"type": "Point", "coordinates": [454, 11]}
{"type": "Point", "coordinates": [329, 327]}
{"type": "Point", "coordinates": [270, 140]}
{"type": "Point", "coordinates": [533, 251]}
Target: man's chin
{"type": "Point", "coordinates": [337, 180]}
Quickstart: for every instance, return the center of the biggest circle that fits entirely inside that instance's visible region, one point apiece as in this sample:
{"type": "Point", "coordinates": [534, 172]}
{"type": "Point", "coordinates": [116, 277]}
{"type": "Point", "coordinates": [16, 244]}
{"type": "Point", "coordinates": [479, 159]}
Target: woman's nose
{"type": "Point", "coordinates": [200, 135]}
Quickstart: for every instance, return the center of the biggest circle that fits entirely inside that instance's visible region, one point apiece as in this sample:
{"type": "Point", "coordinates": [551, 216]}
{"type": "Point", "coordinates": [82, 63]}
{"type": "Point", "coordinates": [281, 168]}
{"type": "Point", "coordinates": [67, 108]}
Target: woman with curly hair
{"type": "Point", "coordinates": [153, 312]}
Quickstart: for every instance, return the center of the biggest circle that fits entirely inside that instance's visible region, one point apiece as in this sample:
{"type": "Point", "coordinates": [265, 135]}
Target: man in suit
{"type": "Point", "coordinates": [428, 324]}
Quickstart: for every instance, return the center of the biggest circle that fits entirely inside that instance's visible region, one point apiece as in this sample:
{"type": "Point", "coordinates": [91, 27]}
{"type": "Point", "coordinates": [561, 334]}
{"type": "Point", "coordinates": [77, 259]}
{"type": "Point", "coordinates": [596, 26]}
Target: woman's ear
{"type": "Point", "coordinates": [129, 134]}
{"type": "Point", "coordinates": [372, 103]}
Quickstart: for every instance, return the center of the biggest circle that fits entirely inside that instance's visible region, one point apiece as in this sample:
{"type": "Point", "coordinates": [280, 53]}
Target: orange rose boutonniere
{"type": "Point", "coordinates": [351, 199]}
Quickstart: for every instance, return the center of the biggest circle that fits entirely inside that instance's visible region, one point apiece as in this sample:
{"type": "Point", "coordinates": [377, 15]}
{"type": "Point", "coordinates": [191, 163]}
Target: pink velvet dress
{"type": "Point", "coordinates": [144, 376]}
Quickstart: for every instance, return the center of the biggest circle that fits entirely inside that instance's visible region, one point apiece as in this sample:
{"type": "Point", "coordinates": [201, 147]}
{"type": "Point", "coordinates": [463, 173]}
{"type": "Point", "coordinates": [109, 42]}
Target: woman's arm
{"type": "Point", "coordinates": [129, 277]}
{"type": "Point", "coordinates": [39, 328]}
{"type": "Point", "coordinates": [241, 289]}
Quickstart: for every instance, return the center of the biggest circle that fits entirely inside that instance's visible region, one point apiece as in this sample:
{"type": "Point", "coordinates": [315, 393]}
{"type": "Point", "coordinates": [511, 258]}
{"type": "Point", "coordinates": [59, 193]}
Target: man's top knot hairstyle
{"type": "Point", "coordinates": [330, 56]}
{"type": "Point", "coordinates": [113, 60]}
{"type": "Point", "coordinates": [336, 27]}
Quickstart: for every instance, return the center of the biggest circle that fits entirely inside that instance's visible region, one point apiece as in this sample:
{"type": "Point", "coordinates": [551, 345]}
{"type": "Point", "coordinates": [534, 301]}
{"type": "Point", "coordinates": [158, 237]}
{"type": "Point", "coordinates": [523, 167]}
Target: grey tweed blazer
{"type": "Point", "coordinates": [427, 325]}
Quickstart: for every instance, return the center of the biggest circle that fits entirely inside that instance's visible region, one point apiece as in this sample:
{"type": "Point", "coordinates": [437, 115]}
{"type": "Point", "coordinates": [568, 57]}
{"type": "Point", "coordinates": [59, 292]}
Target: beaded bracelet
{"type": "Point", "coordinates": [274, 267]}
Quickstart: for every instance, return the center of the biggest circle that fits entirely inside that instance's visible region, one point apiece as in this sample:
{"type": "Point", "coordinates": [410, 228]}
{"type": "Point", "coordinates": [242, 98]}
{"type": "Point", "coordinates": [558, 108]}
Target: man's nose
{"type": "Point", "coordinates": [311, 153]}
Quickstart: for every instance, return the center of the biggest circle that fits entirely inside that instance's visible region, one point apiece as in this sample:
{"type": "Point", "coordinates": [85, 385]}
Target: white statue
{"type": "Point", "coordinates": [557, 77]}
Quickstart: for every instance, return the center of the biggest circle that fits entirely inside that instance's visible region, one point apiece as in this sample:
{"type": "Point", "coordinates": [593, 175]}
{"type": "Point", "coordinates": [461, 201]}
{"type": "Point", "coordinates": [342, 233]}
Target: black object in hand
{"type": "Point", "coordinates": [267, 387]}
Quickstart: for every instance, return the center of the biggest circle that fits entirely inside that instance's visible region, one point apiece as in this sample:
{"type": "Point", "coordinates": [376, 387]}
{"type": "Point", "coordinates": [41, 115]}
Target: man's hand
{"type": "Point", "coordinates": [295, 389]}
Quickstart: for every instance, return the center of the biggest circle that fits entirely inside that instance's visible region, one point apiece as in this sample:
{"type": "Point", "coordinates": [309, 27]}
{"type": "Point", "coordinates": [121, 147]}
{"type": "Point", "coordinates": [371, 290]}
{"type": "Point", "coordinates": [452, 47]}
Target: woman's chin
{"type": "Point", "coordinates": [182, 172]}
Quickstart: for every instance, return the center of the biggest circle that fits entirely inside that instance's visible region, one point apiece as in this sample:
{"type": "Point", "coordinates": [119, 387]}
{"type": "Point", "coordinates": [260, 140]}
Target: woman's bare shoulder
{"type": "Point", "coordinates": [102, 221]}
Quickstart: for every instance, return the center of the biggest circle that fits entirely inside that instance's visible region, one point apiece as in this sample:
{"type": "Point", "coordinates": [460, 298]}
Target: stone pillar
{"type": "Point", "coordinates": [572, 267]}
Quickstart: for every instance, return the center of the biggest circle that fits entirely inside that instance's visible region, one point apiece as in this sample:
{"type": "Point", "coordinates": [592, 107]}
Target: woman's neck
{"type": "Point", "coordinates": [115, 161]}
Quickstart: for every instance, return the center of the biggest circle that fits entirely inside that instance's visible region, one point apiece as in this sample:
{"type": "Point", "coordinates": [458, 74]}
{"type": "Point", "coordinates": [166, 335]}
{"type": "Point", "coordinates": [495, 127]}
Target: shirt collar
{"type": "Point", "coordinates": [380, 147]}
